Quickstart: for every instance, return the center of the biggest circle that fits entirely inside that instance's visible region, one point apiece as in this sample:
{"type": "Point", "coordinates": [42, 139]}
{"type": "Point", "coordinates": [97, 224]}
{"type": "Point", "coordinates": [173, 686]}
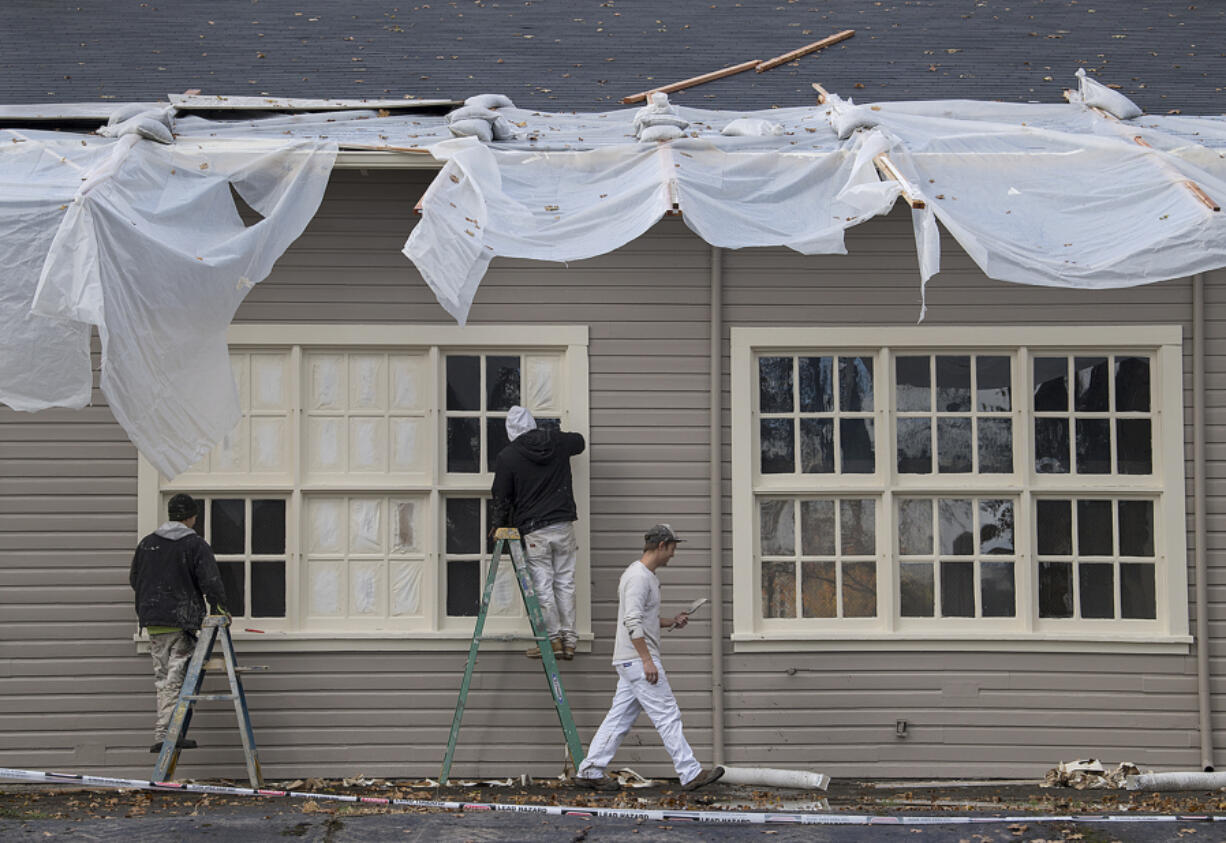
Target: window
{"type": "Point", "coordinates": [350, 500]}
{"type": "Point", "coordinates": [958, 485]}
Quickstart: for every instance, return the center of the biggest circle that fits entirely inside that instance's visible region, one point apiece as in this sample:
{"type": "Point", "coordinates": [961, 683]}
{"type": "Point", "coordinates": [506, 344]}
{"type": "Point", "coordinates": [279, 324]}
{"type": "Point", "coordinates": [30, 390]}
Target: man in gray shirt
{"type": "Point", "coordinates": [641, 682]}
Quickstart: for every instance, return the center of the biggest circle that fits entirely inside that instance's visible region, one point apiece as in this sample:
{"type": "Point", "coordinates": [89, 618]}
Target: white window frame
{"type": "Point", "coordinates": [439, 632]}
{"type": "Point", "coordinates": [1026, 631]}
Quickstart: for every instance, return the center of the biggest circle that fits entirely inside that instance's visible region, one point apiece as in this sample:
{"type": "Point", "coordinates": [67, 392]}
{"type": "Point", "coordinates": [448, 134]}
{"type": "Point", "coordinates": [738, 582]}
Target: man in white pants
{"type": "Point", "coordinates": [533, 491]}
{"type": "Point", "coordinates": [641, 682]}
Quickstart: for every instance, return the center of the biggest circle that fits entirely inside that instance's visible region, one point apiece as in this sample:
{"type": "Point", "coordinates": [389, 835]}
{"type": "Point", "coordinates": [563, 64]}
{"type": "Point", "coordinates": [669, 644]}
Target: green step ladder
{"type": "Point", "coordinates": [216, 628]}
{"type": "Point", "coordinates": [508, 538]}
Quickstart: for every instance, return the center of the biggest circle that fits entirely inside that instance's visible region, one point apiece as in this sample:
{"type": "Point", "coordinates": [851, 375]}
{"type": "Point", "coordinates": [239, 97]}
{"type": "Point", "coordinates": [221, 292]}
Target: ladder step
{"type": "Point", "coordinates": [207, 697]}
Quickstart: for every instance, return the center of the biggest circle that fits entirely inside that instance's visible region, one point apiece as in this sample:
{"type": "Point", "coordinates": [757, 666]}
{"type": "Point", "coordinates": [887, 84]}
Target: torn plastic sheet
{"type": "Point", "coordinates": [563, 206]}
{"type": "Point", "coordinates": [44, 361]}
{"type": "Point", "coordinates": [152, 250]}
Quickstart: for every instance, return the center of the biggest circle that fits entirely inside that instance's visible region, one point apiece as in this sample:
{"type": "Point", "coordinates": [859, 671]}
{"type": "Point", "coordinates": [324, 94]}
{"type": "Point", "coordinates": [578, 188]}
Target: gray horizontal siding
{"type": "Point", "coordinates": [74, 694]}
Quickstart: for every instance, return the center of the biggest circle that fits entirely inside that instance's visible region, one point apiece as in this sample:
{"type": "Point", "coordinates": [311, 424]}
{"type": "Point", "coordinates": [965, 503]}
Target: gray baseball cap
{"type": "Point", "coordinates": [660, 533]}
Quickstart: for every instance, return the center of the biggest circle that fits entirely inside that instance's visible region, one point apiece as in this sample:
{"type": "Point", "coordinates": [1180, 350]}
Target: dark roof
{"type": "Point", "coordinates": [587, 54]}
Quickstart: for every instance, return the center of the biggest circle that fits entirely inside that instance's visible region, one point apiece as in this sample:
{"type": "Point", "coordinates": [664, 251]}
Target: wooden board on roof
{"type": "Point", "coordinates": [199, 102]}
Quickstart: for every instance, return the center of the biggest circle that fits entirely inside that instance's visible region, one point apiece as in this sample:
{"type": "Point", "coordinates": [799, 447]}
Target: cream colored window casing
{"type": "Point", "coordinates": [959, 488]}
{"type": "Point", "coordinates": [348, 507]}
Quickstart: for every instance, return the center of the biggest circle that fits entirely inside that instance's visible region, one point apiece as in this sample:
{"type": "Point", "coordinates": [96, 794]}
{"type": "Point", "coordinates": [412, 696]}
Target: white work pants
{"type": "Point", "coordinates": [634, 694]}
{"type": "Point", "coordinates": [552, 553]}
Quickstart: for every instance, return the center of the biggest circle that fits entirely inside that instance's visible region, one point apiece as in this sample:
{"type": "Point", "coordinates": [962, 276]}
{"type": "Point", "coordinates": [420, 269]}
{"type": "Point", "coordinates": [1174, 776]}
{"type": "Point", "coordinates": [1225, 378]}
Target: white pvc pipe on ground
{"type": "Point", "coordinates": [771, 777]}
{"type": "Point", "coordinates": [1176, 781]}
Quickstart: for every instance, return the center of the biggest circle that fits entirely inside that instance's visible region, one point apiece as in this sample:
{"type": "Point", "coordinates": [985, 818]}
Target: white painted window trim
{"type": "Point", "coordinates": [444, 634]}
{"type": "Point", "coordinates": [1169, 633]}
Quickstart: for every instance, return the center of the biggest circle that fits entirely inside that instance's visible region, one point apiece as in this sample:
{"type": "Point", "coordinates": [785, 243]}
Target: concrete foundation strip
{"type": "Point", "coordinates": [734, 817]}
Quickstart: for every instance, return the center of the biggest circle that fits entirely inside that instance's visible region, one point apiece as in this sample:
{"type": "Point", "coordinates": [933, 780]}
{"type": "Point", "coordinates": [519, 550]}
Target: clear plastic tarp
{"type": "Point", "coordinates": [144, 241]}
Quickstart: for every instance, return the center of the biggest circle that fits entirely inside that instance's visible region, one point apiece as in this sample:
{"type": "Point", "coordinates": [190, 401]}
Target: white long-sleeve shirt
{"type": "Point", "coordinates": [638, 613]}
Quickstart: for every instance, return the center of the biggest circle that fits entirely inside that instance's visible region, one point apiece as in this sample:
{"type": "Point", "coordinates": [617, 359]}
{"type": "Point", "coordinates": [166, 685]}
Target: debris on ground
{"type": "Point", "coordinates": [1089, 774]}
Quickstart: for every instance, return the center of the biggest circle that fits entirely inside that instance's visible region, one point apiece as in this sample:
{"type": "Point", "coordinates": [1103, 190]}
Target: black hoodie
{"type": "Point", "coordinates": [170, 569]}
{"type": "Point", "coordinates": [532, 483]}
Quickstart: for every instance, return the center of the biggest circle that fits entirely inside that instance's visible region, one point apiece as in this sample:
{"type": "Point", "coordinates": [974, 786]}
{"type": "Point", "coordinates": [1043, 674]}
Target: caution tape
{"type": "Point", "coordinates": [734, 817]}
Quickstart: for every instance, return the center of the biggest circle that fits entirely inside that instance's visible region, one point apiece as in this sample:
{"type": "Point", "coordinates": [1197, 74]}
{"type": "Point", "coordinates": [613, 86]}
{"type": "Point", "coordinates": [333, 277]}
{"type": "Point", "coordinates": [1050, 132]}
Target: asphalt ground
{"type": "Point", "coordinates": [31, 812]}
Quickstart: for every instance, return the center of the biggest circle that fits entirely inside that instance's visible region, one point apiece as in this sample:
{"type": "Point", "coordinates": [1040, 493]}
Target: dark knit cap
{"type": "Point", "coordinates": [182, 507]}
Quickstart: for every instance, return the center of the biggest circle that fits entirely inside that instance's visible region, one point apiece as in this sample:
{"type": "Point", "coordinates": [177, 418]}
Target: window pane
{"type": "Point", "coordinates": [1050, 383]}
{"type": "Point", "coordinates": [859, 589]}
{"type": "Point", "coordinates": [915, 582]}
{"type": "Point", "coordinates": [956, 530]}
{"type": "Point", "coordinates": [463, 525]}
{"type": "Point", "coordinates": [816, 384]}
{"type": "Point", "coordinates": [778, 448]}
{"type": "Point", "coordinates": [1051, 446]}
{"type": "Point", "coordinates": [954, 445]}
{"type": "Point", "coordinates": [228, 518]}
{"type": "Point", "coordinates": [953, 384]}
{"type": "Point", "coordinates": [858, 526]}
{"type": "Point", "coordinates": [234, 579]}
{"type": "Point", "coordinates": [267, 589]}
{"type": "Point", "coordinates": [1093, 446]}
{"type": "Point", "coordinates": [775, 384]}
{"type": "Point", "coordinates": [1136, 528]}
{"type": "Point", "coordinates": [958, 589]}
{"type": "Point", "coordinates": [913, 378]}
{"type": "Point", "coordinates": [1133, 446]}
{"type": "Point", "coordinates": [1092, 384]}
{"type": "Point", "coordinates": [817, 528]}
{"type": "Point", "coordinates": [267, 528]}
{"type": "Point", "coordinates": [915, 526]}
{"type": "Point", "coordinates": [817, 446]}
{"type": "Point", "coordinates": [1132, 384]}
{"type": "Point", "coordinates": [778, 589]}
{"type": "Point", "coordinates": [463, 588]}
{"type": "Point", "coordinates": [993, 384]}
{"type": "Point", "coordinates": [855, 384]}
{"type": "Point", "coordinates": [857, 446]}
{"type": "Point", "coordinates": [996, 526]}
{"type": "Point", "coordinates": [1094, 531]}
{"type": "Point", "coordinates": [464, 445]}
{"type": "Point", "coordinates": [495, 440]}
{"type": "Point", "coordinates": [995, 446]}
{"type": "Point", "coordinates": [778, 537]}
{"type": "Point", "coordinates": [1096, 584]}
{"type": "Point", "coordinates": [914, 446]}
{"type": "Point", "coordinates": [1055, 527]}
{"type": "Point", "coordinates": [817, 594]}
{"type": "Point", "coordinates": [463, 383]}
{"type": "Point", "coordinates": [996, 589]}
{"type": "Point", "coordinates": [501, 382]}
{"type": "Point", "coordinates": [1137, 591]}
{"type": "Point", "coordinates": [1055, 589]}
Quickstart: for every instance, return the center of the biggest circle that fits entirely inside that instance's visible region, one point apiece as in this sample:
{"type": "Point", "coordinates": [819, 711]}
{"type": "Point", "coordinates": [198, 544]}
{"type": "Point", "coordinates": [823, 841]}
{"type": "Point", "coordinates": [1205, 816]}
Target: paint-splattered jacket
{"type": "Point", "coordinates": [171, 570]}
{"type": "Point", "coordinates": [533, 487]}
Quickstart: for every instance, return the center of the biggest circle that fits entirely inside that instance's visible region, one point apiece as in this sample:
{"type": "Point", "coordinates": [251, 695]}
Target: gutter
{"type": "Point", "coordinates": [716, 419]}
{"type": "Point", "coordinates": [1203, 676]}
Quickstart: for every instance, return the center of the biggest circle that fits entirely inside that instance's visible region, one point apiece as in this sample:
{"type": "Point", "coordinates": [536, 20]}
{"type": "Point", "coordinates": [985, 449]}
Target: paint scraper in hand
{"type": "Point", "coordinates": [691, 609]}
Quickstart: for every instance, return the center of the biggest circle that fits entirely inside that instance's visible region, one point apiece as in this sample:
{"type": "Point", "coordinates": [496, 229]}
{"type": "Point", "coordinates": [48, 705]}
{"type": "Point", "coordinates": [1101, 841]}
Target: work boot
{"type": "Point", "coordinates": [555, 643]}
{"type": "Point", "coordinates": [568, 652]}
{"type": "Point", "coordinates": [704, 778]}
{"type": "Point", "coordinates": [603, 784]}
{"type": "Point", "coordinates": [184, 743]}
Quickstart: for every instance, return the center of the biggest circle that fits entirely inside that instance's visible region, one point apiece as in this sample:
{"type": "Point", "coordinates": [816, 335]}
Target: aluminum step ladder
{"type": "Point", "coordinates": [508, 538]}
{"type": "Point", "coordinates": [216, 628]}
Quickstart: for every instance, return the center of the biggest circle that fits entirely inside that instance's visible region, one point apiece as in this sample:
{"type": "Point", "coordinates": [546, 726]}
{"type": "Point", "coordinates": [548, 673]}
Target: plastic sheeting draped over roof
{"type": "Point", "coordinates": [144, 241]}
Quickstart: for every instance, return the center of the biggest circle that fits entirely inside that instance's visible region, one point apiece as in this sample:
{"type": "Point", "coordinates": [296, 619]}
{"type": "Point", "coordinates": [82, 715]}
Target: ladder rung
{"type": "Point", "coordinates": [207, 697]}
{"type": "Point", "coordinates": [511, 637]}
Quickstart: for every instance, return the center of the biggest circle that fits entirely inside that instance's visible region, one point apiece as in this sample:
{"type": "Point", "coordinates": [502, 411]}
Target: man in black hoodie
{"type": "Point", "coordinates": [171, 570]}
{"type": "Point", "coordinates": [533, 492]}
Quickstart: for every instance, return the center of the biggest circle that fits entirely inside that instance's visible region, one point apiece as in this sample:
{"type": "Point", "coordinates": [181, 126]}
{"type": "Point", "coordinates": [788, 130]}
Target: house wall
{"type": "Point", "coordinates": [74, 694]}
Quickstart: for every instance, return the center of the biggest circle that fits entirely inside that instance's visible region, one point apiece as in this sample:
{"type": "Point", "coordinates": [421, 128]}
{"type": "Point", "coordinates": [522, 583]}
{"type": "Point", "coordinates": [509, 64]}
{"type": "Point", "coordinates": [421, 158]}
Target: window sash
{"type": "Point", "coordinates": [1162, 345]}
